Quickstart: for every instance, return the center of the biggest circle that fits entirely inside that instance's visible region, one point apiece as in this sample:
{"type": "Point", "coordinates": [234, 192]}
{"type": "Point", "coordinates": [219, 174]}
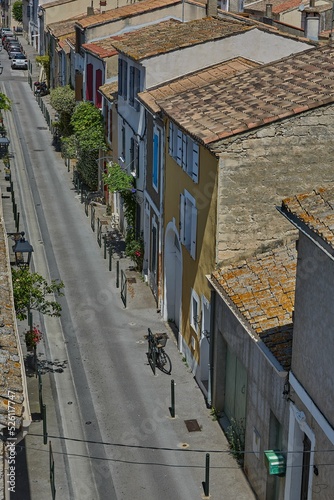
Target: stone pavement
{"type": "Point", "coordinates": [34, 472]}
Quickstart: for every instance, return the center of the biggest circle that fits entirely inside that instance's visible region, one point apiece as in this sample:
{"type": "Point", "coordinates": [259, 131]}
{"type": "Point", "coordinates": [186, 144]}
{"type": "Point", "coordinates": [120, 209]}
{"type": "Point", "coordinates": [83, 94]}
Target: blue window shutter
{"type": "Point", "coordinates": [120, 76]}
{"type": "Point", "coordinates": [195, 159]}
{"type": "Point", "coordinates": [155, 170]}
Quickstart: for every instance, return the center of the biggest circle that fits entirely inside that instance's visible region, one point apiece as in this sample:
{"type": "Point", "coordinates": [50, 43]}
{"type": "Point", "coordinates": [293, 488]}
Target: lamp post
{"type": "Point", "coordinates": [22, 250]}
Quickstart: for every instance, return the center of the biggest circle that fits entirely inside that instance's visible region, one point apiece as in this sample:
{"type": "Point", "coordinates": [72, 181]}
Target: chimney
{"type": "Point", "coordinates": [212, 8]}
{"type": "Point", "coordinates": [312, 3]}
{"type": "Point", "coordinates": [269, 10]}
{"type": "Point", "coordinates": [90, 10]}
{"type": "Point", "coordinates": [103, 4]}
{"type": "Point", "coordinates": [312, 24]}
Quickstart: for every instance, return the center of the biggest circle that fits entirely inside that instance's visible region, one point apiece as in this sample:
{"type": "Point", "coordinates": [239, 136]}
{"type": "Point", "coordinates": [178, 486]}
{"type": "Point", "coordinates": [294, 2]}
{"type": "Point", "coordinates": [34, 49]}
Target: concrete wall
{"type": "Point", "coordinates": [255, 45]}
{"type": "Point", "coordinates": [313, 339]}
{"type": "Point", "coordinates": [260, 168]}
{"type": "Point", "coordinates": [116, 27]}
{"type": "Point", "coordinates": [264, 393]}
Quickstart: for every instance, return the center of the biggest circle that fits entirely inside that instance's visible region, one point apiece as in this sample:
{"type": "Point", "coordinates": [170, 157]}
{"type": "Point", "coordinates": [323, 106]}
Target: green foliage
{"type": "Point", "coordinates": [45, 62]}
{"type": "Point", "coordinates": [86, 117]}
{"type": "Point", "coordinates": [17, 11]}
{"type": "Point", "coordinates": [117, 179]}
{"type": "Point", "coordinates": [69, 146]}
{"type": "Point", "coordinates": [62, 99]}
{"type": "Point", "coordinates": [88, 128]}
{"type": "Point", "coordinates": [236, 438]}
{"type": "Point", "coordinates": [5, 102]}
{"type": "Point", "coordinates": [31, 291]}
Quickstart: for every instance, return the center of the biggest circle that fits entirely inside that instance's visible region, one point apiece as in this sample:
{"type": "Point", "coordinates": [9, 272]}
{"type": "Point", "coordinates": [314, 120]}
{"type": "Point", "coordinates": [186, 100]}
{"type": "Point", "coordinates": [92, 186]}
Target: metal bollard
{"type": "Point", "coordinates": [45, 433]}
{"type": "Point", "coordinates": [206, 484]}
{"type": "Point", "coordinates": [104, 246]}
{"type": "Point", "coordinates": [117, 274]}
{"type": "Point", "coordinates": [172, 407]}
{"type": "Point", "coordinates": [110, 258]}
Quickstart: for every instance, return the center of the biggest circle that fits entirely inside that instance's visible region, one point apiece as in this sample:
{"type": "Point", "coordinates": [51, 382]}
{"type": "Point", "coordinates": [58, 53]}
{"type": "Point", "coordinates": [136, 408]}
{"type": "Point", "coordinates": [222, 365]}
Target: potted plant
{"type": "Point", "coordinates": [33, 337]}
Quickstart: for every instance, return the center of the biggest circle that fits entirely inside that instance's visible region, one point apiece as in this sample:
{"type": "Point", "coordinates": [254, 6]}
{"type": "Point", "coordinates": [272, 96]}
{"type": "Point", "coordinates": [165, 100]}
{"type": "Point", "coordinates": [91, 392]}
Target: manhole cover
{"type": "Point", "coordinates": [192, 425]}
{"type": "Point", "coordinates": [131, 280]}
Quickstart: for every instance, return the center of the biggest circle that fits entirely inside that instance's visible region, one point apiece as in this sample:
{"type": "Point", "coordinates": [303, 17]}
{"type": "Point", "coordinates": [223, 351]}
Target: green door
{"type": "Point", "coordinates": [235, 389]}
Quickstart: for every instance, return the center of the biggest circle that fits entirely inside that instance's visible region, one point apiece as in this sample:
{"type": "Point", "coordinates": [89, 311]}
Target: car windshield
{"type": "Point", "coordinates": [19, 56]}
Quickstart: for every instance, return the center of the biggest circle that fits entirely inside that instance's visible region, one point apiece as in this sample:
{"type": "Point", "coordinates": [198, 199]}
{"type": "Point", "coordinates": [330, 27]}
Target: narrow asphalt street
{"type": "Point", "coordinates": [108, 415]}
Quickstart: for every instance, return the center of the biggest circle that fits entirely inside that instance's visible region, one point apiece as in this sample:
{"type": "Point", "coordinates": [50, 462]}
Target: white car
{"type": "Point", "coordinates": [19, 61]}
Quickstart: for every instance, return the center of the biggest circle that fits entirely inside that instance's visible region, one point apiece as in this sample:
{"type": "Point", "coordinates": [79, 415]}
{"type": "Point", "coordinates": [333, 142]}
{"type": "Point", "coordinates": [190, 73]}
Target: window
{"type": "Point", "coordinates": [184, 151]}
{"type": "Point", "coordinates": [194, 311]}
{"type": "Point", "coordinates": [188, 222]}
{"type": "Point", "coordinates": [134, 159]}
{"type": "Point", "coordinates": [156, 157]}
{"type": "Point", "coordinates": [123, 78]}
{"type": "Point", "coordinates": [134, 87]}
{"type": "Point", "coordinates": [123, 142]}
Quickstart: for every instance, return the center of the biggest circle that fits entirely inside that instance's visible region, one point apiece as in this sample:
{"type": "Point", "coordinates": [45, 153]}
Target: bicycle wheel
{"type": "Point", "coordinates": [163, 362]}
{"type": "Point", "coordinates": [151, 354]}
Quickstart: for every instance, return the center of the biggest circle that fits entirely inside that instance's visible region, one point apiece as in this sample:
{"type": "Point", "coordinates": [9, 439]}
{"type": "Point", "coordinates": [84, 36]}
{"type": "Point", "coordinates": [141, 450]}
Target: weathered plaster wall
{"type": "Point", "coordinates": [264, 391]}
{"type": "Point", "coordinates": [313, 339]}
{"type": "Point", "coordinates": [260, 168]}
{"type": "Point", "coordinates": [120, 26]}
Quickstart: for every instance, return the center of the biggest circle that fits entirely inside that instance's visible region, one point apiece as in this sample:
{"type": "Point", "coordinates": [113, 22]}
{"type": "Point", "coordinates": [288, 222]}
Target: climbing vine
{"type": "Point", "coordinates": [118, 180]}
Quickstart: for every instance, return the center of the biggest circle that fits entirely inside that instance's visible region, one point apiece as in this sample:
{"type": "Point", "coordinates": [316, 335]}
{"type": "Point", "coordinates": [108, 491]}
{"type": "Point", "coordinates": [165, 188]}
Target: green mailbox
{"type": "Point", "coordinates": [275, 462]}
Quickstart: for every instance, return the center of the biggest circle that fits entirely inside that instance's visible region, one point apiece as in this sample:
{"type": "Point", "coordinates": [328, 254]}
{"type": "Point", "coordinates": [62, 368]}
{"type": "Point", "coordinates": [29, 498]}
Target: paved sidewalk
{"type": "Point", "coordinates": [190, 404]}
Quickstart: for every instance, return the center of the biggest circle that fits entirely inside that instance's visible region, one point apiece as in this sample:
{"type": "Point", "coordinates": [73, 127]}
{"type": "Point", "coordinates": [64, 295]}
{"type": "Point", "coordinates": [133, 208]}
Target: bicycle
{"type": "Point", "coordinates": [156, 355]}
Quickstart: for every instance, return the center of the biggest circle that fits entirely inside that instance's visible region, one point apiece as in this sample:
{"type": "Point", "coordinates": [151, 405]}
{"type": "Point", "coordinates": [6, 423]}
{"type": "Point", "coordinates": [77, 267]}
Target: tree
{"type": "Point", "coordinates": [88, 128]}
{"type": "Point", "coordinates": [5, 103]}
{"type": "Point", "coordinates": [31, 292]}
{"type": "Point", "coordinates": [62, 99]}
{"type": "Point", "coordinates": [17, 11]}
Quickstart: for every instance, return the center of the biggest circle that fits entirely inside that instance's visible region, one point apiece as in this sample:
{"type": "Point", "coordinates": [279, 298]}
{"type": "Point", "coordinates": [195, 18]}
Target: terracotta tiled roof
{"type": "Point", "coordinates": [109, 89]}
{"type": "Point", "coordinates": [256, 97]}
{"type": "Point", "coordinates": [262, 289]}
{"type": "Point", "coordinates": [62, 28]}
{"type": "Point", "coordinates": [126, 11]}
{"type": "Point", "coordinates": [173, 35]}
{"type": "Point", "coordinates": [195, 80]}
{"type": "Point", "coordinates": [316, 210]}
{"type": "Point", "coordinates": [280, 6]}
{"type": "Point", "coordinates": [102, 48]}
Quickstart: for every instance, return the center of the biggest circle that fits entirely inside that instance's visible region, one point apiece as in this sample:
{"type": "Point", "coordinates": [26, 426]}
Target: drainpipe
{"type": "Point", "coordinates": [212, 346]}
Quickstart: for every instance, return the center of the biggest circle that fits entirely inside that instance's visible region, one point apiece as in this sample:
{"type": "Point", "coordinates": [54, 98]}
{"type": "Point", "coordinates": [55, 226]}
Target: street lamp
{"type": "Point", "coordinates": [22, 250]}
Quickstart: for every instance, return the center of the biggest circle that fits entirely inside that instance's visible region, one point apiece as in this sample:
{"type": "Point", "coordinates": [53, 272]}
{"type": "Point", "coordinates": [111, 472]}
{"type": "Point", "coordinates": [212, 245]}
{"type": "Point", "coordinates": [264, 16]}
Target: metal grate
{"type": "Point", "coordinates": [192, 425]}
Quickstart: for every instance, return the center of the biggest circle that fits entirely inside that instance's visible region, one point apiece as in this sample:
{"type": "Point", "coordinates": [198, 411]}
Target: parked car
{"type": "Point", "coordinates": [13, 45]}
{"type": "Point", "coordinates": [14, 50]}
{"type": "Point", "coordinates": [8, 40]}
{"type": "Point", "coordinates": [5, 30]}
{"type": "Point", "coordinates": [19, 61]}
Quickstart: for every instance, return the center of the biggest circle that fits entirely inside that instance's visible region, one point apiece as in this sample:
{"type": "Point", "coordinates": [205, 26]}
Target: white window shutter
{"type": "Point", "coordinates": [182, 216]}
{"type": "Point", "coordinates": [193, 231]}
{"type": "Point", "coordinates": [195, 162]}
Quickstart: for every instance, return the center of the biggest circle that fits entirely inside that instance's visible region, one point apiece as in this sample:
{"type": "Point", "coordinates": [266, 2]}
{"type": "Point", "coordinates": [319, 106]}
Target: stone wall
{"type": "Point", "coordinates": [259, 169]}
